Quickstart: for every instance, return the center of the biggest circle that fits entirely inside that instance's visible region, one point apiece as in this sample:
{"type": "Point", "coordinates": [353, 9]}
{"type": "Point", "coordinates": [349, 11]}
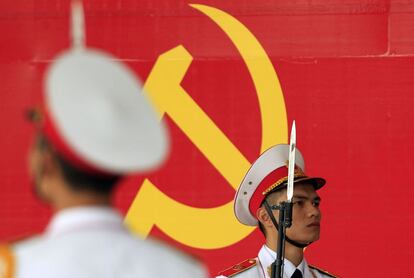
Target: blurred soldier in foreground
{"type": "Point", "coordinates": [96, 126]}
{"type": "Point", "coordinates": [266, 181]}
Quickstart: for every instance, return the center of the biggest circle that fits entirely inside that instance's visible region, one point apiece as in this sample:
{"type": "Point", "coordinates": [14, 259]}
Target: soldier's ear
{"type": "Point", "coordinates": [263, 217]}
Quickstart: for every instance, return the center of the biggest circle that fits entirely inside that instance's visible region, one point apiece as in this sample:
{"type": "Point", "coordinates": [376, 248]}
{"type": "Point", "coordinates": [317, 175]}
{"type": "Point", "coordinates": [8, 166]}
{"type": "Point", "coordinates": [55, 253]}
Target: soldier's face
{"type": "Point", "coordinates": [306, 213]}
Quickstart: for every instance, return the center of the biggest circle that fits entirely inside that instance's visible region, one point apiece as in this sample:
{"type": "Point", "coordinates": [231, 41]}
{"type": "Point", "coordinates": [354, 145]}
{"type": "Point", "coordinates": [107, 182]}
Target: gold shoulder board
{"type": "Point", "coordinates": [238, 268]}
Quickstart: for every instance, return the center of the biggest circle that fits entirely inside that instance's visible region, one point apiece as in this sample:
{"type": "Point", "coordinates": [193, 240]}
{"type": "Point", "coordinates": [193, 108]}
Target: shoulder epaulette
{"type": "Point", "coordinates": [6, 262]}
{"type": "Point", "coordinates": [238, 268]}
{"type": "Point", "coordinates": [322, 271]}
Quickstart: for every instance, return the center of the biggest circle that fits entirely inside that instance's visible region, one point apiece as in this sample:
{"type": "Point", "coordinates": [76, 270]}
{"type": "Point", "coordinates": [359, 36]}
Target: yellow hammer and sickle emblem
{"type": "Point", "coordinates": [216, 227]}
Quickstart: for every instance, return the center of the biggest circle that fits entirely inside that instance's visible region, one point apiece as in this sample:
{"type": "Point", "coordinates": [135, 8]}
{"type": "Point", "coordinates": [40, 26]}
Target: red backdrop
{"type": "Point", "coordinates": [346, 70]}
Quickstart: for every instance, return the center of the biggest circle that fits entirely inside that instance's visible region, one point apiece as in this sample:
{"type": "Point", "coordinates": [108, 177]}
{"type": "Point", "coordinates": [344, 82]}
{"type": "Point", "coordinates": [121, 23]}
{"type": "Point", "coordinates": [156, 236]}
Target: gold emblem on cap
{"type": "Point", "coordinates": [298, 174]}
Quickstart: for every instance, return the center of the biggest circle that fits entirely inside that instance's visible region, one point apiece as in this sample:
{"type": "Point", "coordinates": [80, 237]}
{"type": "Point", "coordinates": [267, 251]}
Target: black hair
{"type": "Point", "coordinates": [78, 179]}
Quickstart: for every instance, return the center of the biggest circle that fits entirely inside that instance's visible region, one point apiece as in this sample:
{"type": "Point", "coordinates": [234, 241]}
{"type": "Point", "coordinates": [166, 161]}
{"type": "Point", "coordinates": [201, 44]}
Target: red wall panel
{"type": "Point", "coordinates": [346, 70]}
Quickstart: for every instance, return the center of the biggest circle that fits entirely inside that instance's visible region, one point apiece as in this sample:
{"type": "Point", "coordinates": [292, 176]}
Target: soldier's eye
{"type": "Point", "coordinates": [299, 203]}
{"type": "Point", "coordinates": [316, 203]}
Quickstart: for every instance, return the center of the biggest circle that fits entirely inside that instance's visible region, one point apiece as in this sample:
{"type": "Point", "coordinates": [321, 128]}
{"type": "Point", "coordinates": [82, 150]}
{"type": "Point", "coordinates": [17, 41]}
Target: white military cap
{"type": "Point", "coordinates": [266, 175]}
{"type": "Point", "coordinates": [96, 114]}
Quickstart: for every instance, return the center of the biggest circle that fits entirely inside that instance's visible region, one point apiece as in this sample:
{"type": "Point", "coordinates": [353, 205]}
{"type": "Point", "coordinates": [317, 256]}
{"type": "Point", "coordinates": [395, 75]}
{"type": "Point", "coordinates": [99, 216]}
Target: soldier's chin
{"type": "Point", "coordinates": [314, 238]}
{"type": "Point", "coordinates": [310, 239]}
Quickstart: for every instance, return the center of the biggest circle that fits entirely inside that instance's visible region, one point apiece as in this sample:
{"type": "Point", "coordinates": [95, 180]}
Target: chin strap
{"type": "Point", "coordinates": [272, 217]}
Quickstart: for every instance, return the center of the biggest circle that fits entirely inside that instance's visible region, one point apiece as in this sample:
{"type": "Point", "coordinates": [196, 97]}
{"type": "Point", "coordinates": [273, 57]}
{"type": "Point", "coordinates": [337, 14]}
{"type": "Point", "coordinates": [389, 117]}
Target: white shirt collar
{"type": "Point", "coordinates": [84, 218]}
{"type": "Point", "coordinates": [267, 256]}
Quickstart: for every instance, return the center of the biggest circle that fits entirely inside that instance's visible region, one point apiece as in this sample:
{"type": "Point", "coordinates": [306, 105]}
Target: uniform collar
{"type": "Point", "coordinates": [267, 256]}
{"type": "Point", "coordinates": [84, 218]}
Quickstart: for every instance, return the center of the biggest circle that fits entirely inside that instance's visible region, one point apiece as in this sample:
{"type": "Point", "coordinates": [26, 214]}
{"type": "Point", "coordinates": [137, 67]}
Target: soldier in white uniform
{"type": "Point", "coordinates": [96, 127]}
{"type": "Point", "coordinates": [266, 181]}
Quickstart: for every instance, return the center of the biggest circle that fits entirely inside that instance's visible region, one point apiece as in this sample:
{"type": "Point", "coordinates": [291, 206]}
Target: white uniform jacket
{"type": "Point", "coordinates": [260, 267]}
{"type": "Point", "coordinates": [90, 242]}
